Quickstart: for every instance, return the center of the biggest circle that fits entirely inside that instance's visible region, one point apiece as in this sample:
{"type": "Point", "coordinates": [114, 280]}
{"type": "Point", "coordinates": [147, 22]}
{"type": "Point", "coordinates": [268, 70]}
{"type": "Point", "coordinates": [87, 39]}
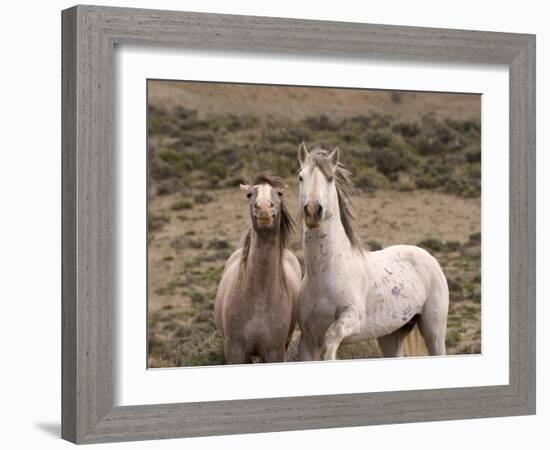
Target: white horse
{"type": "Point", "coordinates": [349, 294]}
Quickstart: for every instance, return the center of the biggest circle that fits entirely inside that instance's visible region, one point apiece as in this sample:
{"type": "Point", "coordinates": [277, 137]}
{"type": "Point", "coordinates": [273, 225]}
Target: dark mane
{"type": "Point", "coordinates": [286, 227]}
{"type": "Point", "coordinates": [344, 188]}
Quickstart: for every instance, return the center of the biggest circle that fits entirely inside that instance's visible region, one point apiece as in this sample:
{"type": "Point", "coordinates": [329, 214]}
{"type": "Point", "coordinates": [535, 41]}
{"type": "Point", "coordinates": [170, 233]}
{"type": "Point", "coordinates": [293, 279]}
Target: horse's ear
{"type": "Point", "coordinates": [335, 157]}
{"type": "Point", "coordinates": [244, 187]}
{"type": "Point", "coordinates": [302, 153]}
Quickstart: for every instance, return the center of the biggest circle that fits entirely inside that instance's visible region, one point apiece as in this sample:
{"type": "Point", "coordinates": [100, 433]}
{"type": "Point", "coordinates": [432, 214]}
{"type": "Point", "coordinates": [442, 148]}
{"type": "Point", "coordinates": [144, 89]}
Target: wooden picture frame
{"type": "Point", "coordinates": [89, 36]}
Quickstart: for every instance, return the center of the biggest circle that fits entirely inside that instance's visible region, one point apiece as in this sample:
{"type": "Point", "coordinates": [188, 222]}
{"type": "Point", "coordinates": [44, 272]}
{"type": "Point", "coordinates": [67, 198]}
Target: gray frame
{"type": "Point", "coordinates": [89, 34]}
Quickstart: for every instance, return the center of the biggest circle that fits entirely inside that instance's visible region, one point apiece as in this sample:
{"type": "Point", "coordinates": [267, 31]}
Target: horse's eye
{"type": "Point", "coordinates": [300, 178]}
{"type": "Point", "coordinates": [249, 194]}
{"type": "Point", "coordinates": [280, 193]}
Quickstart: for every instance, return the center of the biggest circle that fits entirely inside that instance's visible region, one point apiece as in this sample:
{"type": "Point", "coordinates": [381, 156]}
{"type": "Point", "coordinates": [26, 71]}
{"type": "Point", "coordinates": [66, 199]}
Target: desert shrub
{"type": "Point", "coordinates": [374, 245]}
{"type": "Point", "coordinates": [475, 238]}
{"type": "Point", "coordinates": [452, 246]}
{"type": "Point", "coordinates": [473, 155]}
{"type": "Point", "coordinates": [156, 223]}
{"type": "Point", "coordinates": [454, 185]}
{"type": "Point", "coordinates": [438, 245]}
{"type": "Point", "coordinates": [320, 123]}
{"type": "Point", "coordinates": [428, 145]}
{"type": "Point", "coordinates": [360, 122]}
{"type": "Point", "coordinates": [370, 179]}
{"type": "Point", "coordinates": [160, 170]}
{"type": "Point", "coordinates": [187, 119]}
{"type": "Point", "coordinates": [436, 138]}
{"type": "Point", "coordinates": [454, 284]}
{"type": "Point", "coordinates": [405, 182]}
{"type": "Point", "coordinates": [378, 139]}
{"type": "Point", "coordinates": [217, 169]}
{"type": "Point", "coordinates": [204, 139]}
{"type": "Point", "coordinates": [293, 134]}
{"type": "Point", "coordinates": [202, 349]}
{"type": "Point", "coordinates": [155, 124]}
{"type": "Point", "coordinates": [230, 122]}
{"type": "Point", "coordinates": [203, 198]}
{"type": "Point", "coordinates": [194, 243]}
{"type": "Point", "coordinates": [473, 171]}
{"type": "Point", "coordinates": [271, 160]}
{"type": "Point", "coordinates": [465, 126]}
{"type": "Point", "coordinates": [427, 181]}
{"type": "Point", "coordinates": [233, 181]}
{"type": "Point", "coordinates": [349, 137]}
{"type": "Point", "coordinates": [197, 297]}
{"type": "Point", "coordinates": [453, 338]}
{"type": "Point", "coordinates": [169, 156]}
{"type": "Point", "coordinates": [406, 129]}
{"type": "Point", "coordinates": [432, 244]}
{"type": "Point", "coordinates": [380, 120]}
{"type": "Point", "coordinates": [178, 205]}
{"type": "Point", "coordinates": [166, 187]}
{"type": "Point", "coordinates": [389, 160]}
{"type": "Point", "coordinates": [218, 244]}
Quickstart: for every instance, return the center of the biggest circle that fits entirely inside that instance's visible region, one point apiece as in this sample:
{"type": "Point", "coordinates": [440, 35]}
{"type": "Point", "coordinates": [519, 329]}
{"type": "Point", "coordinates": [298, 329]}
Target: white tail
{"type": "Point", "coordinates": [414, 343]}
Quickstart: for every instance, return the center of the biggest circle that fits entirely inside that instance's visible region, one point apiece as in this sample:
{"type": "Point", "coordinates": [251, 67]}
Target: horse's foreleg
{"type": "Point", "coordinates": [275, 355]}
{"type": "Point", "coordinates": [307, 349]}
{"type": "Point", "coordinates": [235, 353]}
{"type": "Point", "coordinates": [347, 324]}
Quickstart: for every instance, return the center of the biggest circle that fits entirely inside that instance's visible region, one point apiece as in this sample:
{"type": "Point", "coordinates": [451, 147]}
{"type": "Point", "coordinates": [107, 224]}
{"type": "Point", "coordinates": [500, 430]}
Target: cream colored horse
{"type": "Point", "coordinates": [349, 294]}
{"type": "Point", "coordinates": [256, 302]}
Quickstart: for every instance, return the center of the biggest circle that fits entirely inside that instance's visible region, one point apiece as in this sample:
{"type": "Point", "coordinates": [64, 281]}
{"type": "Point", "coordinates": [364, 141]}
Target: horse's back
{"type": "Point", "coordinates": [402, 279]}
{"type": "Point", "coordinates": [424, 263]}
{"type": "Point", "coordinates": [421, 263]}
{"type": "Point", "coordinates": [230, 272]}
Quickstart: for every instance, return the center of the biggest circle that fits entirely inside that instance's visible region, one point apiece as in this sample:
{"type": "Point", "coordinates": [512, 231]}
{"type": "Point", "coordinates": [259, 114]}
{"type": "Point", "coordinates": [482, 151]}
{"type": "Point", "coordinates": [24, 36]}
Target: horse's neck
{"type": "Point", "coordinates": [322, 244]}
{"type": "Point", "coordinates": [264, 257]}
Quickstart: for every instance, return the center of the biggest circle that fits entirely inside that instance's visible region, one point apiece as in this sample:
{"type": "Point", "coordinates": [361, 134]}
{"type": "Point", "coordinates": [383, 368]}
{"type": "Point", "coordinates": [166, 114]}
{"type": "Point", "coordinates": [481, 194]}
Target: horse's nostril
{"type": "Point", "coordinates": [319, 211]}
{"type": "Point", "coordinates": [313, 209]}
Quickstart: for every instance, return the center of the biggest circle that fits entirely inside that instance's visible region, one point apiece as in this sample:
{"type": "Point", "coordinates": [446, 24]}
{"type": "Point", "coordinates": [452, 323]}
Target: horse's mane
{"type": "Point", "coordinates": [344, 188]}
{"type": "Point", "coordinates": [286, 227]}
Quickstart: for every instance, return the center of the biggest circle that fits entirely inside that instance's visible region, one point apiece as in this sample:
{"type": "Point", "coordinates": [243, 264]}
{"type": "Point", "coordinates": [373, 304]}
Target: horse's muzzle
{"type": "Point", "coordinates": [264, 218]}
{"type": "Point", "coordinates": [313, 213]}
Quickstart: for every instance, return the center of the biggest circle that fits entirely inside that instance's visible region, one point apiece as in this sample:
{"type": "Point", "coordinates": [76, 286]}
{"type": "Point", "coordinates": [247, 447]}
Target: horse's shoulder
{"type": "Point", "coordinates": [290, 259]}
{"type": "Point", "coordinates": [235, 256]}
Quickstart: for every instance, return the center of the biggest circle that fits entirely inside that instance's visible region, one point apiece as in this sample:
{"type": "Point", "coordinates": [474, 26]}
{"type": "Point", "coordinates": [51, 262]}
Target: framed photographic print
{"type": "Point", "coordinates": [267, 222]}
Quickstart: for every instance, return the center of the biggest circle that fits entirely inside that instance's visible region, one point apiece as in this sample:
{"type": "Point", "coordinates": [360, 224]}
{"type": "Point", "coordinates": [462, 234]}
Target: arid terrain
{"type": "Point", "coordinates": [416, 161]}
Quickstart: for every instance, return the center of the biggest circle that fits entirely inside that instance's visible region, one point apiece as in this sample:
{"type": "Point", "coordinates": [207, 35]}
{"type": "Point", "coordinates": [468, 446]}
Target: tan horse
{"type": "Point", "coordinates": [256, 302]}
